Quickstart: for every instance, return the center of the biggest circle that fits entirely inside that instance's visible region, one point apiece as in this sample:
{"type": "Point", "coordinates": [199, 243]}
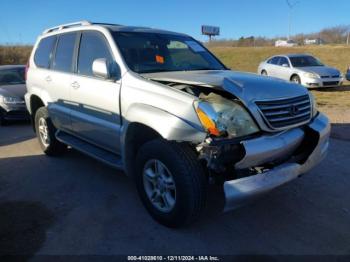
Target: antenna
{"type": "Point", "coordinates": [291, 5]}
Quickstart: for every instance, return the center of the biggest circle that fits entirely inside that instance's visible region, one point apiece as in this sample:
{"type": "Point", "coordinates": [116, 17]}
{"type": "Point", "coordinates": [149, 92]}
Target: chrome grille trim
{"type": "Point", "coordinates": [284, 113]}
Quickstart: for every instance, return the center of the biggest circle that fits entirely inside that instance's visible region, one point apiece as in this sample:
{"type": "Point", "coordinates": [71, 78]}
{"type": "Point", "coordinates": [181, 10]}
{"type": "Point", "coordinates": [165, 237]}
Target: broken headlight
{"type": "Point", "coordinates": [221, 116]}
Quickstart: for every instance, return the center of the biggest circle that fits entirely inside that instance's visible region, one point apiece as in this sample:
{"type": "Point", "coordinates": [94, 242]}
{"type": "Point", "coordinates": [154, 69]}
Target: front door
{"type": "Point", "coordinates": [95, 112]}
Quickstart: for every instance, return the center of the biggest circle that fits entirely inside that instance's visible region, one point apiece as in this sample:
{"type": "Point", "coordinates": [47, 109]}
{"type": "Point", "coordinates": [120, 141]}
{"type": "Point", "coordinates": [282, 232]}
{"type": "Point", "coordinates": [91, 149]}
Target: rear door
{"type": "Point", "coordinates": [95, 113]}
{"type": "Point", "coordinates": [284, 70]}
{"type": "Point", "coordinates": [59, 80]}
{"type": "Point", "coordinates": [271, 67]}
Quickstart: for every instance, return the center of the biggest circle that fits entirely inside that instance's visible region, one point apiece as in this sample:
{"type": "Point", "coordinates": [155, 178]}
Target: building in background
{"type": "Point", "coordinates": [285, 43]}
{"type": "Point", "coordinates": [316, 41]}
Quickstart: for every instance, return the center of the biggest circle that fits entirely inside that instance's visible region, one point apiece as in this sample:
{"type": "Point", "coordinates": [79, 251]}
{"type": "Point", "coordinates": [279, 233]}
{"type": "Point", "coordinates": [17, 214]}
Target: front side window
{"type": "Point", "coordinates": [155, 52]}
{"type": "Point", "coordinates": [64, 53]}
{"type": "Point", "coordinates": [43, 53]}
{"type": "Point", "coordinates": [13, 76]}
{"type": "Point", "coordinates": [92, 46]}
{"type": "Point", "coordinates": [303, 61]}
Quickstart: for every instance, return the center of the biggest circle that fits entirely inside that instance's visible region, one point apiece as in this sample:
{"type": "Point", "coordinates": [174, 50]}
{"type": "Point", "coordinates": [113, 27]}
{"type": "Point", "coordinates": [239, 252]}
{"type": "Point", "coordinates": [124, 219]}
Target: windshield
{"type": "Point", "coordinates": [153, 52]}
{"type": "Point", "coordinates": [13, 76]}
{"type": "Point", "coordinates": [303, 61]}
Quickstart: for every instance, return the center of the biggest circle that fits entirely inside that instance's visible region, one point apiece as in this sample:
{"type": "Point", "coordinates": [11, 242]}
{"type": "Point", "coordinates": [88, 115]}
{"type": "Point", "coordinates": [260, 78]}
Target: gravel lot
{"type": "Point", "coordinates": [76, 205]}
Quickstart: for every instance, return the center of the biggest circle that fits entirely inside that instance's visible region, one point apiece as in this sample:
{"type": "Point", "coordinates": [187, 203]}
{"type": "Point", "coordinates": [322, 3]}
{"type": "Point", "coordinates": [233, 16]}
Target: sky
{"type": "Point", "coordinates": [21, 21]}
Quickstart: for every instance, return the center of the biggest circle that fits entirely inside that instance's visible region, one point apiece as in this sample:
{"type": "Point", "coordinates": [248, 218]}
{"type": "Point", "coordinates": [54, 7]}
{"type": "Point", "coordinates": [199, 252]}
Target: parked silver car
{"type": "Point", "coordinates": [161, 107]}
{"type": "Point", "coordinates": [12, 90]}
{"type": "Point", "coordinates": [302, 69]}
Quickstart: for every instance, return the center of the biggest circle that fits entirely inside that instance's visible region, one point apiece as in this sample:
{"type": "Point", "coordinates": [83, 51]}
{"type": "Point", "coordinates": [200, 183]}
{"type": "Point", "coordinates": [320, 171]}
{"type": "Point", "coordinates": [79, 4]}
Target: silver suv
{"type": "Point", "coordinates": [161, 107]}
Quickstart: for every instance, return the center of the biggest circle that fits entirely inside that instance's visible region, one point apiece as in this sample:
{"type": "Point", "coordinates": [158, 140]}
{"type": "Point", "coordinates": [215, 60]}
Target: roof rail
{"type": "Point", "coordinates": [60, 27]}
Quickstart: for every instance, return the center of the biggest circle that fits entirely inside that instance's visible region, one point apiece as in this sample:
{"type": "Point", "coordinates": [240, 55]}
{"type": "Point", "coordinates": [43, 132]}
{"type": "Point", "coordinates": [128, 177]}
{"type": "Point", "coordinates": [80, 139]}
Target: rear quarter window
{"type": "Point", "coordinates": [44, 52]}
{"type": "Point", "coordinates": [274, 60]}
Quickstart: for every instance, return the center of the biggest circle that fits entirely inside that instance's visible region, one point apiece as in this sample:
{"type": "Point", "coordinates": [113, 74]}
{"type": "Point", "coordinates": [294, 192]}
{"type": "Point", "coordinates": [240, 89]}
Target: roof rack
{"type": "Point", "coordinates": [60, 27]}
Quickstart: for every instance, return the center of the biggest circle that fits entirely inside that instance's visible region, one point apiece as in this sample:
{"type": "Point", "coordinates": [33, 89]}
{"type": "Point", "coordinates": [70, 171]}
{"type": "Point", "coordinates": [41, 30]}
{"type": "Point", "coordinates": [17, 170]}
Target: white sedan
{"type": "Point", "coordinates": [302, 69]}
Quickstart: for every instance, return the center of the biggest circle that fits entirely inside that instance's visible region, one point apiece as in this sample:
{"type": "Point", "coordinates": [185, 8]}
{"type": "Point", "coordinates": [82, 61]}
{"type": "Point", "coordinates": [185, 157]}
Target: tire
{"type": "Point", "coordinates": [263, 73]}
{"type": "Point", "coordinates": [296, 79]}
{"type": "Point", "coordinates": [188, 180]}
{"type": "Point", "coordinates": [49, 144]}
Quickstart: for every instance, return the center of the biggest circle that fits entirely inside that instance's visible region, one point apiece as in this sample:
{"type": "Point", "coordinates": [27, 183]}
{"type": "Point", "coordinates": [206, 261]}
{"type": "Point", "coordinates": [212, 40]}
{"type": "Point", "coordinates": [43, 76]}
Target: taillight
{"type": "Point", "coordinates": [26, 71]}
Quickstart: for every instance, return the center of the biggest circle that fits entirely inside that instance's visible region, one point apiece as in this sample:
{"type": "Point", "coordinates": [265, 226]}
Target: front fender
{"type": "Point", "coordinates": [169, 126]}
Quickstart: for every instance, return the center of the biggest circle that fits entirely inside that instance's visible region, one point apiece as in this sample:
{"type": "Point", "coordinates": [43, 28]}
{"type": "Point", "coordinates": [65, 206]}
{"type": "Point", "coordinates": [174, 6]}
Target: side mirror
{"type": "Point", "coordinates": [285, 65]}
{"type": "Point", "coordinates": [101, 68]}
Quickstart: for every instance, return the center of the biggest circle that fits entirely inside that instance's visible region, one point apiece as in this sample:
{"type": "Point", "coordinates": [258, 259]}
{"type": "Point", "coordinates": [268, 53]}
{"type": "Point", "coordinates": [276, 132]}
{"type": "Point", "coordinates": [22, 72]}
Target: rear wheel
{"type": "Point", "coordinates": [171, 182]}
{"type": "Point", "coordinates": [296, 79]}
{"type": "Point", "coordinates": [46, 133]}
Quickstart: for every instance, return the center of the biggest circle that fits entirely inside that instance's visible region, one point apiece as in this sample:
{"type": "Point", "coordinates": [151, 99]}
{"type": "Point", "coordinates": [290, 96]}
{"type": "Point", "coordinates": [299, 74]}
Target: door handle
{"type": "Point", "coordinates": [48, 79]}
{"type": "Point", "coordinates": [75, 85]}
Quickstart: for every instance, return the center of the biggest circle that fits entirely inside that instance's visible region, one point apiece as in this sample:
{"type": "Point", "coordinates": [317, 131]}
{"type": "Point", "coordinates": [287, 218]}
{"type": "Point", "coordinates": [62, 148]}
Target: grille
{"type": "Point", "coordinates": [331, 83]}
{"type": "Point", "coordinates": [288, 112]}
{"type": "Point", "coordinates": [333, 76]}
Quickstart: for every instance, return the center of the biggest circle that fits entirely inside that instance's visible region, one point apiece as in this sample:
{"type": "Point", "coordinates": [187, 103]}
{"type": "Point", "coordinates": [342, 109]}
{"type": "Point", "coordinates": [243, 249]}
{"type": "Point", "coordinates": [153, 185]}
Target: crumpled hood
{"type": "Point", "coordinates": [321, 70]}
{"type": "Point", "coordinates": [246, 86]}
{"type": "Point", "coordinates": [13, 90]}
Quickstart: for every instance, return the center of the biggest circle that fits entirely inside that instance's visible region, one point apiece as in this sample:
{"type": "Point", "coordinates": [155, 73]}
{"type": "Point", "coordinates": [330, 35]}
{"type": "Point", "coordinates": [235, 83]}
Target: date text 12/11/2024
{"type": "Point", "coordinates": [173, 258]}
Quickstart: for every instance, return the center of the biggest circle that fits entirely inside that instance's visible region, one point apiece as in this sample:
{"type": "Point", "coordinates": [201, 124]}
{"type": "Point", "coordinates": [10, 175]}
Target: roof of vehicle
{"type": "Point", "coordinates": [11, 66]}
{"type": "Point", "coordinates": [111, 27]}
{"type": "Point", "coordinates": [119, 28]}
{"type": "Point", "coordinates": [297, 55]}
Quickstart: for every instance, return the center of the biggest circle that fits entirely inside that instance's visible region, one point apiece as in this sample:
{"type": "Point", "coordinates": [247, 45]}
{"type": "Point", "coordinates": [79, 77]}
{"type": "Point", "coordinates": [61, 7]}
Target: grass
{"type": "Point", "coordinates": [248, 59]}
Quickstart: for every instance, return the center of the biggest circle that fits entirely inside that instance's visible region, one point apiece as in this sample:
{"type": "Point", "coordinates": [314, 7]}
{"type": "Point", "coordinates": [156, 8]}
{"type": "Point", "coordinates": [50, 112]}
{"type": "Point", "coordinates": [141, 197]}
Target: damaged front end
{"type": "Point", "coordinates": [246, 157]}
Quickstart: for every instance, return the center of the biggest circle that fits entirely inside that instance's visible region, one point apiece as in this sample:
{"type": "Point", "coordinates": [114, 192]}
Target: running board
{"type": "Point", "coordinates": [86, 148]}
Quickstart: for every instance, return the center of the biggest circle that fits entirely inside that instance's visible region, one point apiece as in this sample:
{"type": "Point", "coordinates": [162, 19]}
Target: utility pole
{"type": "Point", "coordinates": [290, 6]}
{"type": "Point", "coordinates": [347, 39]}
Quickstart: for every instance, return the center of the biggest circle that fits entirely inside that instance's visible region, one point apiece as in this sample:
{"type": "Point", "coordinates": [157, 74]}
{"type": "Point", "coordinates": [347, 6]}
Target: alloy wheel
{"type": "Point", "coordinates": [44, 132]}
{"type": "Point", "coordinates": [159, 185]}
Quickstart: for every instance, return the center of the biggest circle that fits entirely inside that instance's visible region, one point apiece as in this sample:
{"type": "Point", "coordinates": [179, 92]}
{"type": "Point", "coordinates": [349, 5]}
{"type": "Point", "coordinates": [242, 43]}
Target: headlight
{"type": "Point", "coordinates": [313, 105]}
{"type": "Point", "coordinates": [311, 75]}
{"type": "Point", "coordinates": [12, 100]}
{"type": "Point", "coordinates": [221, 116]}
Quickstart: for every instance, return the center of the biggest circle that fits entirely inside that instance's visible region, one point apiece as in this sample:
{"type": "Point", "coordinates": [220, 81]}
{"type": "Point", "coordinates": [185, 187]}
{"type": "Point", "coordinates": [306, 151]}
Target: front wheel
{"type": "Point", "coordinates": [296, 79]}
{"type": "Point", "coordinates": [46, 133]}
{"type": "Point", "coordinates": [264, 73]}
{"type": "Point", "coordinates": [171, 182]}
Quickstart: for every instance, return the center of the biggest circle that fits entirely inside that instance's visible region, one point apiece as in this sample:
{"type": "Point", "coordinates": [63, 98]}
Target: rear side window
{"type": "Point", "coordinates": [64, 53]}
{"type": "Point", "coordinates": [43, 53]}
{"type": "Point", "coordinates": [92, 46]}
{"type": "Point", "coordinates": [274, 60]}
{"type": "Point", "coordinates": [282, 61]}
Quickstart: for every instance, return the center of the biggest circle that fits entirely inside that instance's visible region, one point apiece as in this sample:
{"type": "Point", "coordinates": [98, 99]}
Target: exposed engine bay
{"type": "Point", "coordinates": [232, 124]}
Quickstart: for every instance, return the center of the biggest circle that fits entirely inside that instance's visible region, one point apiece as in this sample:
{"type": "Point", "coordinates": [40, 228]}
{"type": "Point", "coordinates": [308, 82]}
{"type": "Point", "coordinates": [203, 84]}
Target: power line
{"type": "Point", "coordinates": [291, 5]}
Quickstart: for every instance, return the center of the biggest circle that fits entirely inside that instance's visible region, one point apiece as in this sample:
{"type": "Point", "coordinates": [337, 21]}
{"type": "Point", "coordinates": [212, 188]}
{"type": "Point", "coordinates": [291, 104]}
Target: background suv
{"type": "Point", "coordinates": [302, 69]}
{"type": "Point", "coordinates": [160, 106]}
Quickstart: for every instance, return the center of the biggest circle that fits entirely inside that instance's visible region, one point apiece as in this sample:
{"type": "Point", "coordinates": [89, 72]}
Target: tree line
{"type": "Point", "coordinates": [332, 35]}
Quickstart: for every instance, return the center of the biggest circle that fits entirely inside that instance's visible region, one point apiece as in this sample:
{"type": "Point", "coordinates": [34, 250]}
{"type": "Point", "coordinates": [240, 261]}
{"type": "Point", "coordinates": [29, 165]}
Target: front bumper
{"type": "Point", "coordinates": [347, 76]}
{"type": "Point", "coordinates": [264, 149]}
{"type": "Point", "coordinates": [14, 112]}
{"type": "Point", "coordinates": [321, 82]}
